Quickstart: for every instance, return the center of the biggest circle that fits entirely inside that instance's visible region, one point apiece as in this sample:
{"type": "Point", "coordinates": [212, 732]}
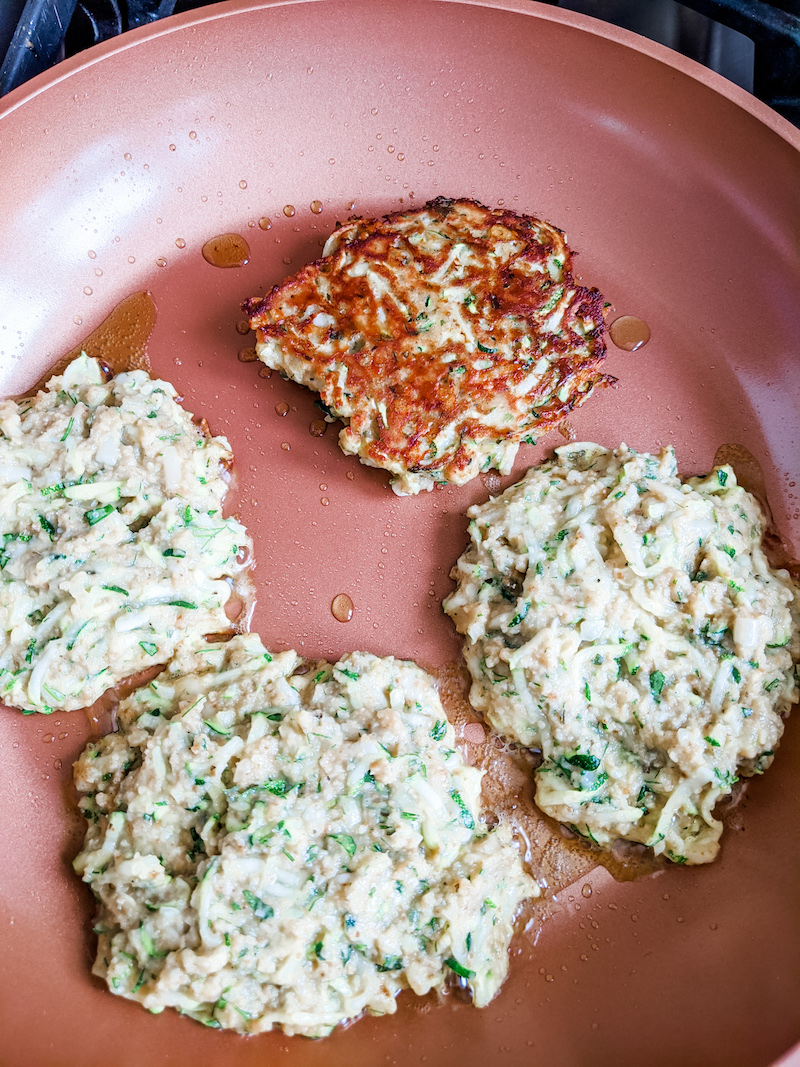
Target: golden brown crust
{"type": "Point", "coordinates": [426, 331]}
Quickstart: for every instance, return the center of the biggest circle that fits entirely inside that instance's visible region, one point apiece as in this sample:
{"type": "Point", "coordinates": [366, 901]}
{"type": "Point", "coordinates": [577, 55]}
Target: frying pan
{"type": "Point", "coordinates": [679, 193]}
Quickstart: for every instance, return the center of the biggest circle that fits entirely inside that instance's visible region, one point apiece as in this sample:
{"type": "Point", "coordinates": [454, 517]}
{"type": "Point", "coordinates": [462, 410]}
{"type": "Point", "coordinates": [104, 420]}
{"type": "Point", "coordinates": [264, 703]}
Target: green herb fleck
{"type": "Point", "coordinates": [346, 841]}
{"type": "Point", "coordinates": [460, 970]}
{"type": "Point", "coordinates": [261, 909]}
{"type": "Point", "coordinates": [656, 685]}
{"type": "Point", "coordinates": [438, 730]}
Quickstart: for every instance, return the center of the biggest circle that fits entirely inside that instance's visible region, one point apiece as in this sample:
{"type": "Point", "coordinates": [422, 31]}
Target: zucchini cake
{"type": "Point", "coordinates": [278, 843]}
{"type": "Point", "coordinates": [442, 336]}
{"type": "Point", "coordinates": [628, 625]}
{"type": "Point", "coordinates": [113, 539]}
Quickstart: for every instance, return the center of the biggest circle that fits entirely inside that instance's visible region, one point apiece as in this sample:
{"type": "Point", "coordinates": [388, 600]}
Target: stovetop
{"type": "Point", "coordinates": [751, 42]}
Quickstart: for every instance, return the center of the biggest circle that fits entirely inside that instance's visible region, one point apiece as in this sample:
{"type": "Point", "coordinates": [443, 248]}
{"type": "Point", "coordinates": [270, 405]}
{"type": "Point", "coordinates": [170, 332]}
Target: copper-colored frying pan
{"type": "Point", "coordinates": [681, 194]}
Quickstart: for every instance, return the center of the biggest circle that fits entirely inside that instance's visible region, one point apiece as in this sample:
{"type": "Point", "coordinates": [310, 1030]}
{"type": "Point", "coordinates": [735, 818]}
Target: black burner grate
{"type": "Point", "coordinates": [752, 42]}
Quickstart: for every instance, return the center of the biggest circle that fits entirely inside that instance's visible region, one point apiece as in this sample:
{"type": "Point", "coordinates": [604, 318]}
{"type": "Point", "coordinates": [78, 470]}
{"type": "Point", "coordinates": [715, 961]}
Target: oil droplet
{"type": "Point", "coordinates": [48, 738]}
{"type": "Point", "coordinates": [629, 333]}
{"type": "Point", "coordinates": [57, 764]}
{"type": "Point", "coordinates": [264, 223]}
{"type": "Point", "coordinates": [172, 148]}
{"type": "Point", "coordinates": [586, 891]}
{"type": "Point", "coordinates": [474, 733]}
{"type": "Point", "coordinates": [323, 487]}
{"type": "Point", "coordinates": [128, 157]}
{"type": "Point", "coordinates": [242, 184]}
{"type": "Point", "coordinates": [288, 210]}
{"type": "Point", "coordinates": [92, 254]}
{"type": "Point", "coordinates": [342, 607]}
{"type": "Point", "coordinates": [316, 206]}
{"type": "Point", "coordinates": [243, 327]}
{"type": "Point", "coordinates": [247, 355]}
{"type": "Point", "coordinates": [281, 409]}
{"type": "Point", "coordinates": [88, 290]}
{"type": "Point", "coordinates": [265, 372]}
{"type": "Point", "coordinates": [180, 243]}
{"type": "Point", "coordinates": [161, 262]}
{"type": "Point", "coordinates": [193, 135]}
{"type": "Point", "coordinates": [350, 476]}
{"type": "Point", "coordinates": [324, 501]}
{"type": "Point", "coordinates": [226, 250]}
{"type": "Point", "coordinates": [77, 320]}
{"type": "Point", "coordinates": [331, 161]}
{"type": "Point", "coordinates": [285, 446]}
{"type": "Point", "coordinates": [318, 428]}
{"type": "Point", "coordinates": [131, 259]}
{"type": "Point", "coordinates": [98, 272]}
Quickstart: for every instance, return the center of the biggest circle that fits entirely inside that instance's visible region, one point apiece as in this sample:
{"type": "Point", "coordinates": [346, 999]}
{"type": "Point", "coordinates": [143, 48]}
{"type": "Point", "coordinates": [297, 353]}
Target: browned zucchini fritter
{"type": "Point", "coordinates": [442, 336]}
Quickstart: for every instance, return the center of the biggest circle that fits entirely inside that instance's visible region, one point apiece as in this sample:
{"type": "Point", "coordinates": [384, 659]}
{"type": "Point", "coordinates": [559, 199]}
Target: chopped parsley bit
{"type": "Point", "coordinates": [149, 647]}
{"type": "Point", "coordinates": [465, 813]}
{"type": "Point", "coordinates": [656, 685]}
{"type": "Point", "coordinates": [438, 730]}
{"type": "Point", "coordinates": [729, 550]}
{"type": "Point", "coordinates": [346, 841]}
{"type": "Point", "coordinates": [279, 787]}
{"type": "Point", "coordinates": [461, 971]}
{"type": "Point", "coordinates": [47, 526]}
{"type": "Point", "coordinates": [261, 909]}
{"type": "Point", "coordinates": [722, 477]}
{"type": "Point", "coordinates": [178, 553]}
{"type": "Point", "coordinates": [116, 589]}
{"type": "Point", "coordinates": [711, 741]}
{"type": "Point", "coordinates": [584, 760]}
{"type": "Point", "coordinates": [182, 604]}
{"type": "Point", "coordinates": [391, 963]}
{"type": "Point", "coordinates": [68, 430]}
